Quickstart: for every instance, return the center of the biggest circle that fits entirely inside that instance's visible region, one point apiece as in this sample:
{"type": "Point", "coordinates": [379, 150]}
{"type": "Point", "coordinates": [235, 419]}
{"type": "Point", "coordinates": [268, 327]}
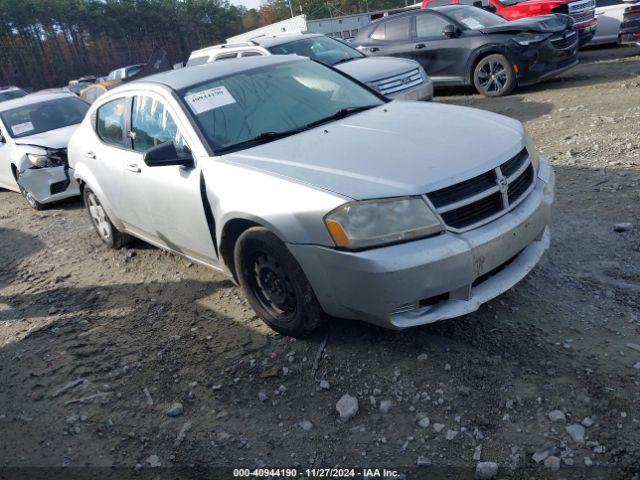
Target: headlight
{"type": "Point", "coordinates": [39, 160]}
{"type": "Point", "coordinates": [378, 222]}
{"type": "Point", "coordinates": [533, 153]}
{"type": "Point", "coordinates": [529, 39]}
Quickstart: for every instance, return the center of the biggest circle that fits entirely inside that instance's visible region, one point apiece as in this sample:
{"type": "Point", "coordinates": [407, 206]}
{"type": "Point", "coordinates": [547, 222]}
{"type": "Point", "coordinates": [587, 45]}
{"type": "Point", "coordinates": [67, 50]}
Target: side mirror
{"type": "Point", "coordinates": [165, 154]}
{"type": "Point", "coordinates": [451, 31]}
{"type": "Point", "coordinates": [2, 140]}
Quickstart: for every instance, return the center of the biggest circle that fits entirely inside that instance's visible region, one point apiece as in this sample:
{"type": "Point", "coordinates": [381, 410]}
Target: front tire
{"type": "Point", "coordinates": [107, 232]}
{"type": "Point", "coordinates": [28, 196]}
{"type": "Point", "coordinates": [275, 285]}
{"type": "Point", "coordinates": [494, 76]}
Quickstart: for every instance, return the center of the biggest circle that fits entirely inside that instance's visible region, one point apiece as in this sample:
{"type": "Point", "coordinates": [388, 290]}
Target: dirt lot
{"type": "Point", "coordinates": [96, 346]}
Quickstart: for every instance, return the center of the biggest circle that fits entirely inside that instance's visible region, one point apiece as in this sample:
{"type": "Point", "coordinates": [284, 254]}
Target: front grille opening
{"type": "Point", "coordinates": [431, 301]}
{"type": "Point", "coordinates": [520, 185]}
{"type": "Point", "coordinates": [474, 212]}
{"type": "Point", "coordinates": [492, 273]}
{"type": "Point", "coordinates": [462, 190]}
{"type": "Point", "coordinates": [563, 43]}
{"type": "Point", "coordinates": [510, 167]}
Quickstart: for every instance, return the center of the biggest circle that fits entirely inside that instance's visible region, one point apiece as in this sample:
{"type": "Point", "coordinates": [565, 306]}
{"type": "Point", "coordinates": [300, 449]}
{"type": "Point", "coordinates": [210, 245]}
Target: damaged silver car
{"type": "Point", "coordinates": [316, 194]}
{"type": "Point", "coordinates": [34, 133]}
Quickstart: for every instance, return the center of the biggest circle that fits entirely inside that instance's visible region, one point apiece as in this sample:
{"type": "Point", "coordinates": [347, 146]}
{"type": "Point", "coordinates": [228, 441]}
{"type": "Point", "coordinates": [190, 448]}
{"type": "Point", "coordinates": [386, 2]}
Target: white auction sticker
{"type": "Point", "coordinates": [21, 128]}
{"type": "Point", "coordinates": [209, 99]}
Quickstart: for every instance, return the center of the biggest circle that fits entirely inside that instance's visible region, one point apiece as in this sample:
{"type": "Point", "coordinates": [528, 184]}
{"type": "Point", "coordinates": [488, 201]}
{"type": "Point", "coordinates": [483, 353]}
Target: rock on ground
{"type": "Point", "coordinates": [347, 407]}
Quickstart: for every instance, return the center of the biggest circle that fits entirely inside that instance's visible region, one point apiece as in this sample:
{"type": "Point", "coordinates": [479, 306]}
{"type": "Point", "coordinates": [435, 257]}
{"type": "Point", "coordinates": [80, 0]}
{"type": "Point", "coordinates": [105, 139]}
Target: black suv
{"type": "Point", "coordinates": [465, 45]}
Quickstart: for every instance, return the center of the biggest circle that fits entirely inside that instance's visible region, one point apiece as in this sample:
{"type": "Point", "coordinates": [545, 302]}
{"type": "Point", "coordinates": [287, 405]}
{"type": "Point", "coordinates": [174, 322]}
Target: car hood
{"type": "Point", "coordinates": [542, 24]}
{"type": "Point", "coordinates": [400, 148]}
{"type": "Point", "coordinates": [58, 138]}
{"type": "Point", "coordinates": [376, 68]}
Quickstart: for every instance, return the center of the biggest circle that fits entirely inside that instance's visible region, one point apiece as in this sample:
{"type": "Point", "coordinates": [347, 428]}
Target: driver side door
{"type": "Point", "coordinates": [442, 57]}
{"type": "Point", "coordinates": [170, 196]}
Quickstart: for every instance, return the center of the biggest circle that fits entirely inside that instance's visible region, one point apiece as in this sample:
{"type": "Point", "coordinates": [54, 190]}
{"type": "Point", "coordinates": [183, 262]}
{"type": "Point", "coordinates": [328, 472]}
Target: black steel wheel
{"type": "Point", "coordinates": [275, 285]}
{"type": "Point", "coordinates": [494, 76]}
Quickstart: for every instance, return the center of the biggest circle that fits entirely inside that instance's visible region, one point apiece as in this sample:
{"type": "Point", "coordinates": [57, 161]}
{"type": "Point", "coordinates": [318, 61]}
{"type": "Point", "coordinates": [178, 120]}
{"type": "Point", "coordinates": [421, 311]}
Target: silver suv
{"type": "Point", "coordinates": [397, 78]}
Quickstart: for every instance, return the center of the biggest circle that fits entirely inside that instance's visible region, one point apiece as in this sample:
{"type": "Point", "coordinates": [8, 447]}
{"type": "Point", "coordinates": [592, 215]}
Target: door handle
{"type": "Point", "coordinates": [374, 49]}
{"type": "Point", "coordinates": [419, 46]}
{"type": "Point", "coordinates": [133, 167]}
{"type": "Point", "coordinates": [90, 155]}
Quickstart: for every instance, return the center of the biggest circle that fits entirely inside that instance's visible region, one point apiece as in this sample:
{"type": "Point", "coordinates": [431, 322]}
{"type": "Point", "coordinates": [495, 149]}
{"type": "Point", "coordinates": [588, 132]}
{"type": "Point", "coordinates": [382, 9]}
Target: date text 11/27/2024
{"type": "Point", "coordinates": [316, 473]}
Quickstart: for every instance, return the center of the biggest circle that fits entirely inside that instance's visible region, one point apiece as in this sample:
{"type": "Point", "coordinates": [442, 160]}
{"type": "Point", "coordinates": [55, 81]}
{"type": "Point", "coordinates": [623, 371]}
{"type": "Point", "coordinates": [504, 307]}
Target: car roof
{"type": "Point", "coordinates": [185, 77]}
{"type": "Point", "coordinates": [32, 98]}
{"type": "Point", "coordinates": [273, 40]}
{"type": "Point", "coordinates": [442, 9]}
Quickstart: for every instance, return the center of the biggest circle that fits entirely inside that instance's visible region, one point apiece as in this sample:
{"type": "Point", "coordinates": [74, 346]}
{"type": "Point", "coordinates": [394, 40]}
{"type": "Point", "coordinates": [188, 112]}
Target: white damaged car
{"type": "Point", "coordinates": [34, 133]}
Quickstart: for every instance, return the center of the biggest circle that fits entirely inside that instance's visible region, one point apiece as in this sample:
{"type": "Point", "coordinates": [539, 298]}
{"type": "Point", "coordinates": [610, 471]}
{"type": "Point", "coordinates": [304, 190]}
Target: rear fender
{"type": "Point", "coordinates": [83, 175]}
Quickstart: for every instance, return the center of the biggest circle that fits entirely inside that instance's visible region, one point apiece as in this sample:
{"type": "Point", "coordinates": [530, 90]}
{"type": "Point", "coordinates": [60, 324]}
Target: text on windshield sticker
{"type": "Point", "coordinates": [21, 128]}
{"type": "Point", "coordinates": [209, 99]}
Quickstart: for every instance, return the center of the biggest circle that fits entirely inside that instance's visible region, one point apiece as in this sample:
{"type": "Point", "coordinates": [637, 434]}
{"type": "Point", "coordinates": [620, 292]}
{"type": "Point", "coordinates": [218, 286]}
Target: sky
{"type": "Point", "coordinates": [247, 3]}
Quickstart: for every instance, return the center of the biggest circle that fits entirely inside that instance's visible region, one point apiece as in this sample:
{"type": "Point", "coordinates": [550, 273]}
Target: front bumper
{"type": "Point", "coordinates": [586, 34]}
{"type": "Point", "coordinates": [538, 64]}
{"type": "Point", "coordinates": [424, 91]}
{"type": "Point", "coordinates": [436, 278]}
{"type": "Point", "coordinates": [49, 184]}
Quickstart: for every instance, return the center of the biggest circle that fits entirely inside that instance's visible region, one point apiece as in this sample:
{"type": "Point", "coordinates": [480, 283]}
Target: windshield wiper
{"type": "Point", "coordinates": [266, 137]}
{"type": "Point", "coordinates": [342, 113]}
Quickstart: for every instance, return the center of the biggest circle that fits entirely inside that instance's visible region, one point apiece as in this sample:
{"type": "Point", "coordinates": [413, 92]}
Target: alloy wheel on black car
{"type": "Point", "coordinates": [494, 76]}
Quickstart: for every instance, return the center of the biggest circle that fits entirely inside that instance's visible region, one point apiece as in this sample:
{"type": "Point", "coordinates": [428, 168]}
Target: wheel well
{"type": "Point", "coordinates": [480, 56]}
{"type": "Point", "coordinates": [230, 234]}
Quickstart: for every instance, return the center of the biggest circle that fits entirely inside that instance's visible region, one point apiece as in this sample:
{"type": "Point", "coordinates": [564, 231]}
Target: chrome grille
{"type": "Point", "coordinates": [398, 83]}
{"type": "Point", "coordinates": [480, 199]}
{"type": "Point", "coordinates": [582, 11]}
{"type": "Point", "coordinates": [563, 42]}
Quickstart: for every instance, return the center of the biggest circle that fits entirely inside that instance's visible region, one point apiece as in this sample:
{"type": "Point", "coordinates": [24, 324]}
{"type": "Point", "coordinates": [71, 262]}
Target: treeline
{"type": "Point", "coordinates": [45, 43]}
{"type": "Point", "coordinates": [275, 10]}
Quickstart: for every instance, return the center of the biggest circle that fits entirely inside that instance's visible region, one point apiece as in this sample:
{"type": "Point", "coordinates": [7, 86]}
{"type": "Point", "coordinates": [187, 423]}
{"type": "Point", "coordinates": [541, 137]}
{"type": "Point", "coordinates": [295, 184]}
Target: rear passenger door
{"type": "Point", "coordinates": [106, 153]}
{"type": "Point", "coordinates": [391, 38]}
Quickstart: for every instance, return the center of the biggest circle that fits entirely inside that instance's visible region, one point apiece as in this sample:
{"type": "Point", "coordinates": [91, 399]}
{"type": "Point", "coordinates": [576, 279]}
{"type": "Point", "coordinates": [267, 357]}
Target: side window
{"type": "Point", "coordinates": [393, 30]}
{"type": "Point", "coordinates": [607, 3]}
{"type": "Point", "coordinates": [192, 62]}
{"type": "Point", "coordinates": [251, 54]}
{"type": "Point", "coordinates": [152, 124]}
{"type": "Point", "coordinates": [110, 122]}
{"type": "Point", "coordinates": [429, 26]}
{"type": "Point", "coordinates": [227, 56]}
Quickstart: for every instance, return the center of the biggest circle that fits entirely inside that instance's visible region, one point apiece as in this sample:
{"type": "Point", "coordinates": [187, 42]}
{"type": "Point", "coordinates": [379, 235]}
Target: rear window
{"type": "Point", "coordinates": [392, 30]}
{"type": "Point", "coordinates": [11, 94]}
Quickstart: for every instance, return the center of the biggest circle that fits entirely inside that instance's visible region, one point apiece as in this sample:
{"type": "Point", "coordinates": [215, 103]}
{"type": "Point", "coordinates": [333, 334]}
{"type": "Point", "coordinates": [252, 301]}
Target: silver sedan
{"type": "Point", "coordinates": [317, 195]}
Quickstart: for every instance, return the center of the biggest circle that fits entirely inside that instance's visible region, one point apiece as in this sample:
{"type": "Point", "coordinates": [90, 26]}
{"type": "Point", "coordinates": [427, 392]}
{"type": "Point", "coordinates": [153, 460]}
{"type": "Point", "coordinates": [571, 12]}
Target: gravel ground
{"type": "Point", "coordinates": [138, 358]}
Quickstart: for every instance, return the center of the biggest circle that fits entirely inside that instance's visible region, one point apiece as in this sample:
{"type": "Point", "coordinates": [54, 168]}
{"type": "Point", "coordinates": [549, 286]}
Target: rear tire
{"type": "Point", "coordinates": [107, 232]}
{"type": "Point", "coordinates": [494, 76]}
{"type": "Point", "coordinates": [275, 285]}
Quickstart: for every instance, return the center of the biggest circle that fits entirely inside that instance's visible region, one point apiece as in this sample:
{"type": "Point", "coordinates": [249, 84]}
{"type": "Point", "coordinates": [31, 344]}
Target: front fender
{"type": "Point", "coordinates": [483, 51]}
